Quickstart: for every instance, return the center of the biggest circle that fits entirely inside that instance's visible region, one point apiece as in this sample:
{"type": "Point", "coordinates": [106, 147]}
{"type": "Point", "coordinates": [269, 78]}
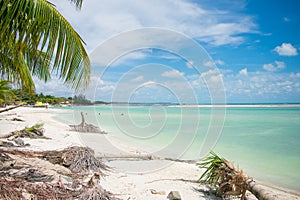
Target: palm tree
{"type": "Point", "coordinates": [36, 40]}
{"type": "Point", "coordinates": [229, 180]}
{"type": "Point", "coordinates": [6, 93]}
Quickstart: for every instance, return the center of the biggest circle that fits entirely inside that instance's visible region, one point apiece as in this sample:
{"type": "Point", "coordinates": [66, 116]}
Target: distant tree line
{"type": "Point", "coordinates": [81, 100]}
{"type": "Point", "coordinates": [8, 96]}
{"type": "Point", "coordinates": [23, 96]}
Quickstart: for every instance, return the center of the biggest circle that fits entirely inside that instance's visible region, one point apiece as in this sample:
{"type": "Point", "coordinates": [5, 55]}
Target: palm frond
{"type": "Point", "coordinates": [5, 91]}
{"type": "Point", "coordinates": [78, 3]}
{"type": "Point", "coordinates": [221, 174]}
{"type": "Point", "coordinates": [35, 30]}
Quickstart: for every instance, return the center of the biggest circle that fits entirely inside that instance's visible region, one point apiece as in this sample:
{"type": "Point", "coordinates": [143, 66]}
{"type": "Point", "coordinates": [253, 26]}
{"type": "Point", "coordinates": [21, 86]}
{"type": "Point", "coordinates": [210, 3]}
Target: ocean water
{"type": "Point", "coordinates": [263, 141]}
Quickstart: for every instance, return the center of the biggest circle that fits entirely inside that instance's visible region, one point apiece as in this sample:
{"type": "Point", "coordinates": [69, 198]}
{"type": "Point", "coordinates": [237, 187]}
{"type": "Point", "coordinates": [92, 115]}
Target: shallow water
{"type": "Point", "coordinates": [263, 141]}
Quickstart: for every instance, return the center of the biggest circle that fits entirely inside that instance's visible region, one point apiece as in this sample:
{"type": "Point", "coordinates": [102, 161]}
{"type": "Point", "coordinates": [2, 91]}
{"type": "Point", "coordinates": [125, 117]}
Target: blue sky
{"type": "Point", "coordinates": [253, 44]}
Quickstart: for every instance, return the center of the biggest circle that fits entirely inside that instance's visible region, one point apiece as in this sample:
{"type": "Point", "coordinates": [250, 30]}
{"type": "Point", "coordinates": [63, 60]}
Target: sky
{"type": "Point", "coordinates": [141, 50]}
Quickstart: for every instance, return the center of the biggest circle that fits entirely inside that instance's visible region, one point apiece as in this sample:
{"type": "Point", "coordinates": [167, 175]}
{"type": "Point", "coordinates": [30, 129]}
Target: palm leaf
{"type": "Point", "coordinates": [5, 91]}
{"type": "Point", "coordinates": [221, 174]}
{"type": "Point", "coordinates": [36, 31]}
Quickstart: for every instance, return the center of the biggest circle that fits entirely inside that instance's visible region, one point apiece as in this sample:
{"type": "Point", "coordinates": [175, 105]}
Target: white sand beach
{"type": "Point", "coordinates": [128, 178]}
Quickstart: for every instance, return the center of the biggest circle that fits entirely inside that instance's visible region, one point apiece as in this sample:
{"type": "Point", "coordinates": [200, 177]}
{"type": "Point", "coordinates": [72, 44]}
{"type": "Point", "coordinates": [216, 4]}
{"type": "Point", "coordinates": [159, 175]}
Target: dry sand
{"type": "Point", "coordinates": [128, 179]}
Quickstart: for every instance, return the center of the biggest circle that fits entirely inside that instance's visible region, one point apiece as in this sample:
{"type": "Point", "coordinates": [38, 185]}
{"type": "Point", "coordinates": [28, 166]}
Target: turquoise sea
{"type": "Point", "coordinates": [263, 141]}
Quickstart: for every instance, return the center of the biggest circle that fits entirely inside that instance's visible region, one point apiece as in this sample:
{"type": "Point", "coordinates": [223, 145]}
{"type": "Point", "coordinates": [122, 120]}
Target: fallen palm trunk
{"type": "Point", "coordinates": [229, 180]}
{"type": "Point", "coordinates": [85, 127]}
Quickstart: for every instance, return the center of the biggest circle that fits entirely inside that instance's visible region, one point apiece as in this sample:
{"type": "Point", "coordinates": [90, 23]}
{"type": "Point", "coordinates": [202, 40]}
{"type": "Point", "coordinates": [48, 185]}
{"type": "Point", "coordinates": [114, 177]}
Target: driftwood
{"type": "Point", "coordinates": [6, 144]}
{"type": "Point", "coordinates": [18, 143]}
{"type": "Point", "coordinates": [35, 132]}
{"type": "Point", "coordinates": [130, 157]}
{"type": "Point", "coordinates": [96, 193]}
{"type": "Point", "coordinates": [17, 119]}
{"type": "Point", "coordinates": [21, 179]}
{"type": "Point", "coordinates": [77, 159]}
{"type": "Point", "coordinates": [10, 108]}
{"type": "Point", "coordinates": [176, 179]}
{"type": "Point", "coordinates": [85, 127]}
{"type": "Point", "coordinates": [33, 175]}
{"type": "Point", "coordinates": [143, 157]}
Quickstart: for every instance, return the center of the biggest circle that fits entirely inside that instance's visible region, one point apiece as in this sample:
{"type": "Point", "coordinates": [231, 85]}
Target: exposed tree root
{"type": "Point", "coordinates": [85, 127]}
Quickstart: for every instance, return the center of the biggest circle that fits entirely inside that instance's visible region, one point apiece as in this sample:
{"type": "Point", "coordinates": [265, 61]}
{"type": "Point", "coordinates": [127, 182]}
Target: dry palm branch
{"type": "Point", "coordinates": [21, 179]}
{"type": "Point", "coordinates": [33, 132]}
{"type": "Point", "coordinates": [229, 180]}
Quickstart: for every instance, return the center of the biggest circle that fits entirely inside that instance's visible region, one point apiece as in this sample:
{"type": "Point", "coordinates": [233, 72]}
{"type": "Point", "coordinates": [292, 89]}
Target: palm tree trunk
{"type": "Point", "coordinates": [259, 191]}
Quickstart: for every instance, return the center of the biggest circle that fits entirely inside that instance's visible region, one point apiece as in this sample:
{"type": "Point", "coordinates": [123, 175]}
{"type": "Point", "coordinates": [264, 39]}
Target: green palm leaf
{"type": "Point", "coordinates": [5, 91]}
{"type": "Point", "coordinates": [39, 40]}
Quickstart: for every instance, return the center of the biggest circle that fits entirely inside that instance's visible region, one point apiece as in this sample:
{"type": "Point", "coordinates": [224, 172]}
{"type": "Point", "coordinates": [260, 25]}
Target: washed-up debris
{"type": "Point", "coordinates": [18, 142]}
{"type": "Point", "coordinates": [17, 119]}
{"type": "Point", "coordinates": [6, 144]}
{"type": "Point", "coordinates": [33, 175]}
{"type": "Point", "coordinates": [96, 193]}
{"type": "Point", "coordinates": [85, 127]}
{"type": "Point", "coordinates": [157, 192]}
{"type": "Point", "coordinates": [227, 180]}
{"type": "Point", "coordinates": [35, 132]}
{"type": "Point", "coordinates": [174, 195]}
{"type": "Point", "coordinates": [22, 177]}
{"type": "Point", "coordinates": [77, 159]}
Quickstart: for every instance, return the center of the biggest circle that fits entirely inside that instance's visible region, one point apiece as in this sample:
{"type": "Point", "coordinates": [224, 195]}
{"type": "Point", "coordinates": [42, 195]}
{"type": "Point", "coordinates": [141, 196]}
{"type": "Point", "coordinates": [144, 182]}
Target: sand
{"type": "Point", "coordinates": [128, 179]}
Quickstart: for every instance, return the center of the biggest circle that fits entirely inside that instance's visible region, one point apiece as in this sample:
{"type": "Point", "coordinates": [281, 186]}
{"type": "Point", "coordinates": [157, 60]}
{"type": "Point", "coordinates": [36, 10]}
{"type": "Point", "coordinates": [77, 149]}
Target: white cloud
{"type": "Point", "coordinates": [295, 75]}
{"type": "Point", "coordinates": [274, 67]}
{"type": "Point", "coordinates": [99, 21]}
{"type": "Point", "coordinates": [210, 63]}
{"type": "Point", "coordinates": [173, 74]}
{"type": "Point", "coordinates": [286, 49]}
{"type": "Point", "coordinates": [138, 79]}
{"type": "Point", "coordinates": [190, 64]}
{"type": "Point", "coordinates": [98, 89]}
{"type": "Point", "coordinates": [262, 87]}
{"type": "Point", "coordinates": [148, 84]}
{"type": "Point", "coordinates": [53, 86]}
{"type": "Point", "coordinates": [125, 59]}
{"type": "Point", "coordinates": [284, 83]}
{"type": "Point", "coordinates": [219, 62]}
{"type": "Point", "coordinates": [244, 72]}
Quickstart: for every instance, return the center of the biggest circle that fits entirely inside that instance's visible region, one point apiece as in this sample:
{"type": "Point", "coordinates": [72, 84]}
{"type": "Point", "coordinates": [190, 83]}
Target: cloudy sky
{"type": "Point", "coordinates": [250, 50]}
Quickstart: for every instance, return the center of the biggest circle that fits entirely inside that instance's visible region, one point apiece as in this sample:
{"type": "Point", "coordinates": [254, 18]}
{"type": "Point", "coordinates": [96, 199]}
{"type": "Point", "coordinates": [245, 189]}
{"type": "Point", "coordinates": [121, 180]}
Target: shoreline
{"type": "Point", "coordinates": [141, 184]}
{"type": "Point", "coordinates": [297, 105]}
{"type": "Point", "coordinates": [229, 105]}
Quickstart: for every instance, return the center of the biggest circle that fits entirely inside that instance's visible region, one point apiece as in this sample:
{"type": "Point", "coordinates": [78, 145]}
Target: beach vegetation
{"type": "Point", "coordinates": [6, 94]}
{"type": "Point", "coordinates": [36, 40]}
{"type": "Point", "coordinates": [229, 180]}
{"type": "Point", "coordinates": [23, 96]}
